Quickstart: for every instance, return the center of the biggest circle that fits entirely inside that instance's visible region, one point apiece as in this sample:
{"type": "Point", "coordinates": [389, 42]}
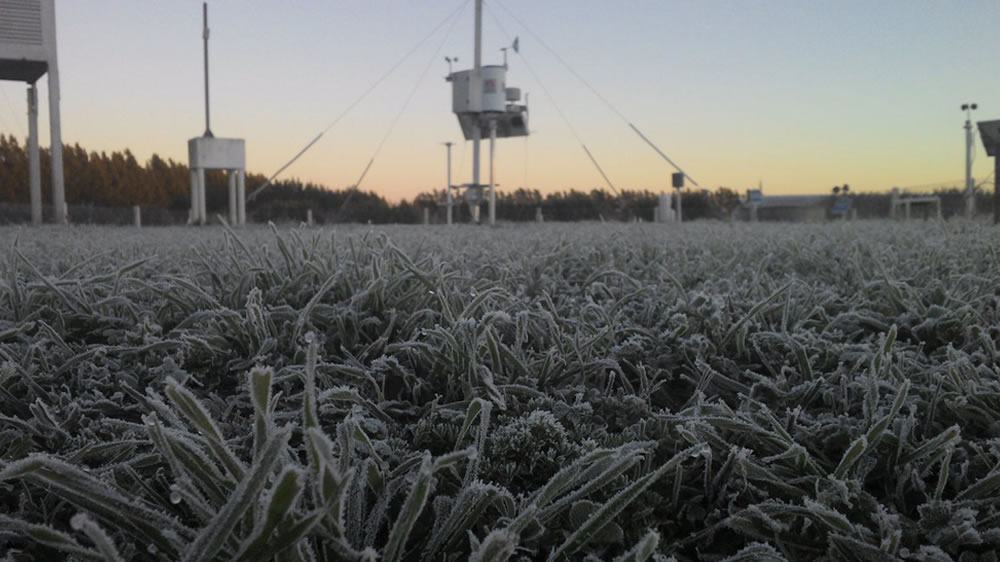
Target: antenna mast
{"type": "Point", "coordinates": [208, 128]}
{"type": "Point", "coordinates": [477, 92]}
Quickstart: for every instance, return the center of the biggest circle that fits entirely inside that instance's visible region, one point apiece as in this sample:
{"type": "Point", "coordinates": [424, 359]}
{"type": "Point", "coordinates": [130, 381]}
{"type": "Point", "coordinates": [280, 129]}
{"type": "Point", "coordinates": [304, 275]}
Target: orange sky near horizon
{"type": "Point", "coordinates": [799, 97]}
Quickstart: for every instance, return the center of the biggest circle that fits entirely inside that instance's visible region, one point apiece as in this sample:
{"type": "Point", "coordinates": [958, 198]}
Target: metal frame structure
{"type": "Point", "coordinates": [210, 153]}
{"type": "Point", "coordinates": [484, 105]}
{"type": "Point", "coordinates": [906, 203]}
{"type": "Point", "coordinates": [28, 52]}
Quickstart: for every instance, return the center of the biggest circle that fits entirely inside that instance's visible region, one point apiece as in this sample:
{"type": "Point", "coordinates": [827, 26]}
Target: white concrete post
{"type": "Point", "coordinates": [538, 215]}
{"type": "Point", "coordinates": [309, 217]}
{"type": "Point", "coordinates": [427, 216]}
{"type": "Point", "coordinates": [233, 215]}
{"type": "Point", "coordinates": [476, 134]}
{"type": "Point", "coordinates": [663, 211]}
{"type": "Point", "coordinates": [193, 214]}
{"type": "Point", "coordinates": [34, 161]}
{"type": "Point", "coordinates": [202, 216]}
{"type": "Point", "coordinates": [55, 134]}
{"type": "Point", "coordinates": [451, 201]}
{"type": "Point", "coordinates": [137, 216]}
{"type": "Point", "coordinates": [493, 187]}
{"type": "Point", "coordinates": [241, 196]}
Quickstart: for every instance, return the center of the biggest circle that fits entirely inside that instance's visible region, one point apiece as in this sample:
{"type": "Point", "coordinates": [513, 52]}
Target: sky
{"type": "Point", "coordinates": [799, 96]}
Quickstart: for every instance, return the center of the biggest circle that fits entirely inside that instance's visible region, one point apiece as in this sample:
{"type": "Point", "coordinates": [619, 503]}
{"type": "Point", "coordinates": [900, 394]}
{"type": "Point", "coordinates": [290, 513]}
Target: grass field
{"type": "Point", "coordinates": [628, 392]}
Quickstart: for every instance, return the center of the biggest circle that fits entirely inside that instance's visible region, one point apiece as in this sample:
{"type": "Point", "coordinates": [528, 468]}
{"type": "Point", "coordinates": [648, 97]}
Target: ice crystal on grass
{"type": "Point", "coordinates": [612, 392]}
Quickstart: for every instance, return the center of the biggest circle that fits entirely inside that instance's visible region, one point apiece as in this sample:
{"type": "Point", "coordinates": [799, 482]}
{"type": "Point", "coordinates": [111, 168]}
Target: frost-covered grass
{"type": "Point", "coordinates": [629, 392]}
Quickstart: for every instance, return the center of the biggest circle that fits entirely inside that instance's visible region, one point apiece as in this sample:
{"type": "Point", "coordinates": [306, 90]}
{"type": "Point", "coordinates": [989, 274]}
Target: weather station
{"type": "Point", "coordinates": [208, 152]}
{"type": "Point", "coordinates": [28, 52]}
{"type": "Point", "coordinates": [485, 106]}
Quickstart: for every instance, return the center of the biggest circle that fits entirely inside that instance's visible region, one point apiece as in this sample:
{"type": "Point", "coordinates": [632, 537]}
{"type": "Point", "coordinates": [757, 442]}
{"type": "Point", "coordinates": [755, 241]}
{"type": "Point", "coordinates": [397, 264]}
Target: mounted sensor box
{"type": "Point", "coordinates": [27, 39]}
{"type": "Point", "coordinates": [990, 133]}
{"type": "Point", "coordinates": [217, 154]}
{"type": "Point", "coordinates": [487, 95]}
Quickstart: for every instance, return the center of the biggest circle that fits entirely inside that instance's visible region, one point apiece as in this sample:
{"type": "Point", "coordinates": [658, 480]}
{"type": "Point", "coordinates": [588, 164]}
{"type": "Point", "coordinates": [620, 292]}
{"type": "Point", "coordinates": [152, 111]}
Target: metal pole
{"type": "Point", "coordinates": [970, 201]}
{"type": "Point", "coordinates": [477, 93]}
{"type": "Point", "coordinates": [34, 161]}
{"type": "Point", "coordinates": [679, 214]}
{"type": "Point", "coordinates": [493, 189]}
{"type": "Point", "coordinates": [208, 128]}
{"type": "Point", "coordinates": [478, 47]}
{"type": "Point", "coordinates": [450, 201]}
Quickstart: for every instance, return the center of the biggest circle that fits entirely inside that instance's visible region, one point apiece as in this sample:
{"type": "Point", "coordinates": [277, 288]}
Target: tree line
{"type": "Point", "coordinates": [117, 180]}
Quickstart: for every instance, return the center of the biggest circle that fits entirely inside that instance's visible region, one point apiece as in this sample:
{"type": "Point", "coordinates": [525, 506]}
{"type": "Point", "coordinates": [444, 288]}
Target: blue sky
{"type": "Point", "coordinates": [798, 95]}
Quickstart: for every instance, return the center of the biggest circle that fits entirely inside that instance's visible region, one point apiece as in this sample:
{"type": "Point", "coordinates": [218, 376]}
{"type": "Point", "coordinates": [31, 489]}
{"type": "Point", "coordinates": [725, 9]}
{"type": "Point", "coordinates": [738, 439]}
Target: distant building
{"type": "Point", "coordinates": [789, 208]}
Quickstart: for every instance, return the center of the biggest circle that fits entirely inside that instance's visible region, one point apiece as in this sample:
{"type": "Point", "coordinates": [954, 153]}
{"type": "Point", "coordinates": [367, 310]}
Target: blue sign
{"type": "Point", "coordinates": [841, 206]}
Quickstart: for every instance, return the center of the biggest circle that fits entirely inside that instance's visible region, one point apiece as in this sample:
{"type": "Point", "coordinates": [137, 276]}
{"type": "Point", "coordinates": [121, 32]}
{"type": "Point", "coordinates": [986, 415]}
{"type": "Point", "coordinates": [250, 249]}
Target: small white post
{"type": "Point", "coordinates": [233, 214]}
{"type": "Point", "coordinates": [663, 211]}
{"type": "Point", "coordinates": [538, 215]}
{"type": "Point", "coordinates": [427, 216]}
{"type": "Point", "coordinates": [34, 161]}
{"type": "Point", "coordinates": [137, 216]}
{"type": "Point", "coordinates": [309, 217]}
